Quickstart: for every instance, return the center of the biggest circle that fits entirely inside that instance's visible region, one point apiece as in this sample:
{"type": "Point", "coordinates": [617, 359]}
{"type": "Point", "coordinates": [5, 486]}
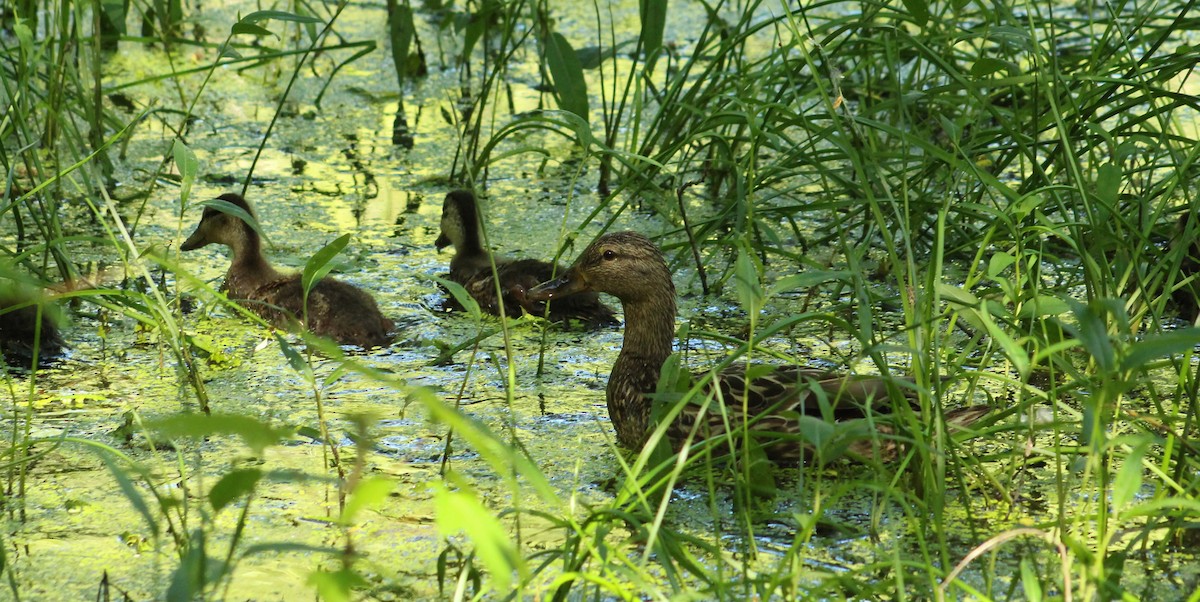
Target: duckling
{"type": "Point", "coordinates": [22, 331]}
{"type": "Point", "coordinates": [630, 267]}
{"type": "Point", "coordinates": [1185, 297]}
{"type": "Point", "coordinates": [336, 310]}
{"type": "Point", "coordinates": [472, 268]}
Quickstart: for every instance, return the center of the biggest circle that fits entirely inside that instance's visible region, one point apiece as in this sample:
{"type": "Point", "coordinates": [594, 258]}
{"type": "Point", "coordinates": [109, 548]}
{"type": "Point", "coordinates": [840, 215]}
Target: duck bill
{"type": "Point", "coordinates": [441, 243]}
{"type": "Point", "coordinates": [569, 283]}
{"type": "Point", "coordinates": [195, 241]}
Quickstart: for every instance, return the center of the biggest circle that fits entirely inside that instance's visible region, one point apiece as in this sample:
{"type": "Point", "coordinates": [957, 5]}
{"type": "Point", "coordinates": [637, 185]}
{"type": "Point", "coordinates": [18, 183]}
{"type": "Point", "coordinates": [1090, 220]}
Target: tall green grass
{"type": "Point", "coordinates": [1045, 150]}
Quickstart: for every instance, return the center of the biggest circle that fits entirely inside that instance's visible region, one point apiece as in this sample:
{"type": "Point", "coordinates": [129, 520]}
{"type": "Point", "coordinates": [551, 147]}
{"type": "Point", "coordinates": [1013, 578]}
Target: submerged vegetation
{"type": "Point", "coordinates": [991, 201]}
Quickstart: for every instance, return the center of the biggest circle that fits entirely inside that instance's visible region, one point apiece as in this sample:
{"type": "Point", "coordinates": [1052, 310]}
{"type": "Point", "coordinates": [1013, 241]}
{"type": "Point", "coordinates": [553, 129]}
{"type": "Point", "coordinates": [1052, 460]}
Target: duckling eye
{"type": "Point", "coordinates": [609, 254]}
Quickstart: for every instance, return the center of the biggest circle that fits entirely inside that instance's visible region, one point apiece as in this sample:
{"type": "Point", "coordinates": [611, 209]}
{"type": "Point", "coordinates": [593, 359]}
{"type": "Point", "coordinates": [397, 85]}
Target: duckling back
{"type": "Point", "coordinates": [336, 310]}
{"type": "Point", "coordinates": [22, 331]}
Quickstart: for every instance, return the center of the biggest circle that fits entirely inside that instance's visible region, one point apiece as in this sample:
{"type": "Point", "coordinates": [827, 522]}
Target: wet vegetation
{"type": "Point", "coordinates": [990, 201]}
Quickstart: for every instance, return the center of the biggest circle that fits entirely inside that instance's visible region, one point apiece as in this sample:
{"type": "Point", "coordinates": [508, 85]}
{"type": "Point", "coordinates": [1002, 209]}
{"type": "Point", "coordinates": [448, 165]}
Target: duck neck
{"type": "Point", "coordinates": [472, 244]}
{"type": "Point", "coordinates": [249, 269]}
{"type": "Point", "coordinates": [649, 333]}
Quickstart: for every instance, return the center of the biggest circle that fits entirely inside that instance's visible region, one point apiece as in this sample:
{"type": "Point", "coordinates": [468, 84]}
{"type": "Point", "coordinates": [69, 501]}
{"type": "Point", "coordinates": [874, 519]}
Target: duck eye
{"type": "Point", "coordinates": [610, 255]}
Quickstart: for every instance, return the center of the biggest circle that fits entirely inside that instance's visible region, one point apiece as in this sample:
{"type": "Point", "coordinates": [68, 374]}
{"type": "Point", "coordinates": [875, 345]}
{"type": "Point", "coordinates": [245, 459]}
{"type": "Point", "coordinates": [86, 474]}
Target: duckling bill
{"type": "Point", "coordinates": [471, 267]}
{"type": "Point", "coordinates": [336, 310]}
{"type": "Point", "coordinates": [630, 267]}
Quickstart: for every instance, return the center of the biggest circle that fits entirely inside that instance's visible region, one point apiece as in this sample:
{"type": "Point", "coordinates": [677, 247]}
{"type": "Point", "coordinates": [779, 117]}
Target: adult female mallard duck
{"type": "Point", "coordinates": [472, 268]}
{"type": "Point", "coordinates": [630, 267]}
{"type": "Point", "coordinates": [336, 310]}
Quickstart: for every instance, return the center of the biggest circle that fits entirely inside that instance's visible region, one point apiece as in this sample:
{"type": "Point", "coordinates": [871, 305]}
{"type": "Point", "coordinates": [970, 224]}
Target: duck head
{"type": "Point", "coordinates": [460, 223]}
{"type": "Point", "coordinates": [224, 224]}
{"type": "Point", "coordinates": [626, 265]}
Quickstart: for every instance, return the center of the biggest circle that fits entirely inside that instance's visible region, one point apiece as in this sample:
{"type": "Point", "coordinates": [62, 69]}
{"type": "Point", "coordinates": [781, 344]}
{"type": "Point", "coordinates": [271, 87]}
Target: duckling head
{"type": "Point", "coordinates": [221, 224]}
{"type": "Point", "coordinates": [460, 223]}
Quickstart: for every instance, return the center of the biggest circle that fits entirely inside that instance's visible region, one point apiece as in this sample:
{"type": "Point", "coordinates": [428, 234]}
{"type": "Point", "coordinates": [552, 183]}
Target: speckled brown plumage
{"type": "Point", "coordinates": [20, 324]}
{"type": "Point", "coordinates": [336, 310]}
{"type": "Point", "coordinates": [630, 267]}
{"type": "Point", "coordinates": [1185, 297]}
{"type": "Point", "coordinates": [471, 267]}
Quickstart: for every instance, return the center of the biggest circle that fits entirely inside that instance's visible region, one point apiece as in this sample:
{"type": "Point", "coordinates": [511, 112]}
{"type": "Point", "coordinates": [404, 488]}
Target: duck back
{"type": "Point", "coordinates": [336, 310]}
{"type": "Point", "coordinates": [21, 331]}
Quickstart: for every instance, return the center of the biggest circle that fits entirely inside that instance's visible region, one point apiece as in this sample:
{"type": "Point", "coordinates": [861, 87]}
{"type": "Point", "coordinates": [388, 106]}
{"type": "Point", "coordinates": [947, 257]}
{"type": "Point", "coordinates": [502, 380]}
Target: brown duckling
{"type": "Point", "coordinates": [22, 331]}
{"type": "Point", "coordinates": [1186, 296]}
{"type": "Point", "coordinates": [336, 310]}
{"type": "Point", "coordinates": [630, 267]}
{"type": "Point", "coordinates": [472, 268]}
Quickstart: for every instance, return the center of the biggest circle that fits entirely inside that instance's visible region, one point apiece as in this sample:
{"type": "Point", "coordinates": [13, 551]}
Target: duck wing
{"type": "Point", "coordinates": [786, 407]}
{"type": "Point", "coordinates": [336, 310]}
{"type": "Point", "coordinates": [767, 389]}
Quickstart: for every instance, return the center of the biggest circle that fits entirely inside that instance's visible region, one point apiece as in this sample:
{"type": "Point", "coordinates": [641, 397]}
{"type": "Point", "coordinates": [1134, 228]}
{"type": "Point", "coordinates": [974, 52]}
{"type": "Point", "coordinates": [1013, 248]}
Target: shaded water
{"type": "Point", "coordinates": [325, 172]}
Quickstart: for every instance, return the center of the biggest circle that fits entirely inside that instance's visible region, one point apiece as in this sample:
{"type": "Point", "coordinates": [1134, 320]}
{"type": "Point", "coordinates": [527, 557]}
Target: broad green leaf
{"type": "Point", "coordinates": [919, 10]}
{"type": "Point", "coordinates": [815, 431]}
{"type": "Point", "coordinates": [321, 263]}
{"type": "Point", "coordinates": [277, 15]}
{"type": "Point", "coordinates": [369, 493]}
{"type": "Point", "coordinates": [251, 29]}
{"type": "Point", "coordinates": [1022, 208]}
{"type": "Point", "coordinates": [294, 359]}
{"type": "Point", "coordinates": [232, 486]}
{"type": "Point", "coordinates": [460, 511]}
{"type": "Point", "coordinates": [185, 162]}
{"type": "Point", "coordinates": [1030, 582]}
{"type": "Point", "coordinates": [805, 281]}
{"type": "Point", "coordinates": [673, 377]}
{"type": "Point", "coordinates": [238, 212]}
{"type": "Point", "coordinates": [1128, 480]}
{"type": "Point", "coordinates": [986, 66]}
{"type": "Point", "coordinates": [115, 10]}
{"type": "Point", "coordinates": [1092, 332]}
{"type": "Point", "coordinates": [131, 492]}
{"type": "Point", "coordinates": [336, 586]}
{"type": "Point", "coordinates": [590, 57]}
{"type": "Point", "coordinates": [461, 295]}
{"type": "Point", "coordinates": [569, 85]}
{"type": "Point", "coordinates": [254, 433]}
{"type": "Point", "coordinates": [1159, 345]}
{"type": "Point", "coordinates": [957, 295]}
{"type": "Point", "coordinates": [24, 40]}
{"type": "Point", "coordinates": [1048, 305]}
{"type": "Point", "coordinates": [473, 27]}
{"type": "Point", "coordinates": [187, 582]}
{"type": "Point", "coordinates": [1012, 350]}
{"type": "Point", "coordinates": [401, 30]}
{"type": "Point", "coordinates": [1108, 184]}
{"type": "Point", "coordinates": [653, 14]}
{"type": "Point", "coordinates": [746, 284]}
{"type": "Point", "coordinates": [998, 263]}
{"type": "Point", "coordinates": [759, 471]}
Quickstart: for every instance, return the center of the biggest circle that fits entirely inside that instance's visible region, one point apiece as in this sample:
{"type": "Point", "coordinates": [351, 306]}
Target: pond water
{"type": "Point", "coordinates": [331, 170]}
